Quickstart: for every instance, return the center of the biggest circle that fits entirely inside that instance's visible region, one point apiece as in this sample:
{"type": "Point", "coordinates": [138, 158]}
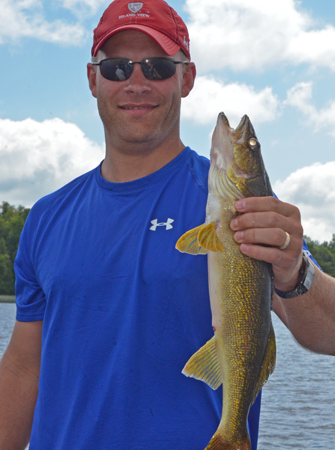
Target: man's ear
{"type": "Point", "coordinates": [188, 79]}
{"type": "Point", "coordinates": [92, 78]}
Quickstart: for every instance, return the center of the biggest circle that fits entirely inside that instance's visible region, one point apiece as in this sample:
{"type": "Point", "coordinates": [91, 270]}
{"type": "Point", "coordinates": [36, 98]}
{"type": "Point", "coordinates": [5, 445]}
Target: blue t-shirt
{"type": "Point", "coordinates": [122, 313]}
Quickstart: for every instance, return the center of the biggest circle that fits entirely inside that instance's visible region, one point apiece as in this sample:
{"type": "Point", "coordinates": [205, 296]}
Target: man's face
{"type": "Point", "coordinates": [138, 113]}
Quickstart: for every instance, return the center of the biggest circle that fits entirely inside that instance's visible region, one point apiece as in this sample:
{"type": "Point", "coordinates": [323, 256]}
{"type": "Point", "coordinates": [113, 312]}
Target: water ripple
{"type": "Point", "coordinates": [298, 407]}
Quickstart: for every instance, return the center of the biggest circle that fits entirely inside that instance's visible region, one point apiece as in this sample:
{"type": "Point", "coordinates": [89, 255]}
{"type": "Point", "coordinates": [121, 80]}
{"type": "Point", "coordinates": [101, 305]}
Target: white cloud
{"type": "Point", "coordinates": [300, 96]}
{"type": "Point", "coordinates": [312, 190]}
{"type": "Point", "coordinates": [211, 96]}
{"type": "Point", "coordinates": [25, 19]}
{"type": "Point", "coordinates": [83, 7]}
{"type": "Point", "coordinates": [40, 157]}
{"type": "Point", "coordinates": [244, 34]}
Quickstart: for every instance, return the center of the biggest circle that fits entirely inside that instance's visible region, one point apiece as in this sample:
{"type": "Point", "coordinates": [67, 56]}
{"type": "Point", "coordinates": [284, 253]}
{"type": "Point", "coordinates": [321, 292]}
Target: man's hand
{"type": "Point", "coordinates": [264, 220]}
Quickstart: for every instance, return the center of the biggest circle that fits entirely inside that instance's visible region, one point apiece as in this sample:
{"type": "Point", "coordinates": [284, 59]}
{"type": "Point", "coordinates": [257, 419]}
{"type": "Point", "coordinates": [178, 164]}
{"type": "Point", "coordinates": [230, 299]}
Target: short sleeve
{"type": "Point", "coordinates": [30, 298]}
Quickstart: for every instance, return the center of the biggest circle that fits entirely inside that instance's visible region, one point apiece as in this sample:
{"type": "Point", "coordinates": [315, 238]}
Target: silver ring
{"type": "Point", "coordinates": [286, 243]}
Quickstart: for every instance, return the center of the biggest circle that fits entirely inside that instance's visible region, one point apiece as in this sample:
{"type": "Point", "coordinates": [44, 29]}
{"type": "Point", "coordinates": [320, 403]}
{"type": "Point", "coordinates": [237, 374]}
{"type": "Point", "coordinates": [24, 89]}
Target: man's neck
{"type": "Point", "coordinates": [120, 166]}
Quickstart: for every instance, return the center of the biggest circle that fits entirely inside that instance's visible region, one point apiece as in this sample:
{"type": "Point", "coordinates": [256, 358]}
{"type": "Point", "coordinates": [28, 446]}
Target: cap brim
{"type": "Point", "coordinates": [167, 44]}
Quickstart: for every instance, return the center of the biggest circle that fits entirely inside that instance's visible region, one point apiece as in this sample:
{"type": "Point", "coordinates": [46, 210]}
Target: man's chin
{"type": "Point", "coordinates": [138, 143]}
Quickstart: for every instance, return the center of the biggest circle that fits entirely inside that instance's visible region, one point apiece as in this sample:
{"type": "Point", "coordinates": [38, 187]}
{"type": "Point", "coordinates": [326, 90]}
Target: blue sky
{"type": "Point", "coordinates": [274, 61]}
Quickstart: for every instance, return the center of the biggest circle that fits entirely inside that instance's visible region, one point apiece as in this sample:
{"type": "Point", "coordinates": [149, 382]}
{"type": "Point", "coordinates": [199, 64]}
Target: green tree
{"type": "Point", "coordinates": [12, 220]}
{"type": "Point", "coordinates": [324, 254]}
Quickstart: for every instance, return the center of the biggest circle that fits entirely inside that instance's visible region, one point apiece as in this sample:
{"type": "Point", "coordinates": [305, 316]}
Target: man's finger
{"type": "Point", "coordinates": [279, 259]}
{"type": "Point", "coordinates": [258, 204]}
{"type": "Point", "coordinates": [270, 220]}
{"type": "Point", "coordinates": [274, 237]}
{"type": "Point", "coordinates": [285, 263]}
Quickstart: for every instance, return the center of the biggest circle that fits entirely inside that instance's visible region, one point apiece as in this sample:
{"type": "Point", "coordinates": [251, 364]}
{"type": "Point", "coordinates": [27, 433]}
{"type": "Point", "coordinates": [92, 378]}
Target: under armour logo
{"type": "Point", "coordinates": [167, 224]}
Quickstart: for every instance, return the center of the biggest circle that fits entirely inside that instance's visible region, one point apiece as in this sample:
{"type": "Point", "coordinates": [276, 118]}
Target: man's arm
{"type": "Point", "coordinates": [310, 317]}
{"type": "Point", "coordinates": [19, 375]}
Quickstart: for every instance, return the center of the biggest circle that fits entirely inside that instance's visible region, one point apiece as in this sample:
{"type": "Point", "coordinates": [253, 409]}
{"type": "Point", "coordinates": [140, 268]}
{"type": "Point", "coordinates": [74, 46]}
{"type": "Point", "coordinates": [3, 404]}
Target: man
{"type": "Point", "coordinates": [108, 312]}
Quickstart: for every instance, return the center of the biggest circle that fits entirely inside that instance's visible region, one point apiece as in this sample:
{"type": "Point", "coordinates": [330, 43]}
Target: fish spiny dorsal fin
{"type": "Point", "coordinates": [204, 365]}
{"type": "Point", "coordinates": [268, 364]}
{"type": "Point", "coordinates": [208, 238]}
{"type": "Point", "coordinates": [188, 242]}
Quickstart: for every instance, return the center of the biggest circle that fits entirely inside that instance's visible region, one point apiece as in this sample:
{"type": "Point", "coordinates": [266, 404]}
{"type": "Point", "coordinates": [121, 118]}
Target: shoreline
{"type": "Point", "coordinates": [7, 298]}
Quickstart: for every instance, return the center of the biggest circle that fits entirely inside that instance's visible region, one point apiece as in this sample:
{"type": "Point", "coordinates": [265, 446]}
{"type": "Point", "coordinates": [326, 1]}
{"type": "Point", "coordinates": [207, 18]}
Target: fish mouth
{"type": "Point", "coordinates": [222, 142]}
{"type": "Point", "coordinates": [225, 137]}
{"type": "Point", "coordinates": [237, 169]}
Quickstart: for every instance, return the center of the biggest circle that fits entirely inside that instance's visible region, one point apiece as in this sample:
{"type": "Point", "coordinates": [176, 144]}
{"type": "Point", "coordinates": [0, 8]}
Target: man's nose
{"type": "Point", "coordinates": [137, 83]}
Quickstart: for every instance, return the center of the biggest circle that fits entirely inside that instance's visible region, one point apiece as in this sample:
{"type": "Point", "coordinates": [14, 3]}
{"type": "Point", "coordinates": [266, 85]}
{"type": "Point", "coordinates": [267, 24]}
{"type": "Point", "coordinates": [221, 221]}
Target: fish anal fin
{"type": "Point", "coordinates": [204, 365]}
{"type": "Point", "coordinates": [208, 238]}
{"type": "Point", "coordinates": [268, 364]}
{"type": "Point", "coordinates": [188, 242]}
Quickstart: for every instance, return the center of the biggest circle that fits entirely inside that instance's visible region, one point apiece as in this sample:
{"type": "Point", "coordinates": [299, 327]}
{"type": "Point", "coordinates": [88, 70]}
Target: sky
{"type": "Point", "coordinates": [272, 60]}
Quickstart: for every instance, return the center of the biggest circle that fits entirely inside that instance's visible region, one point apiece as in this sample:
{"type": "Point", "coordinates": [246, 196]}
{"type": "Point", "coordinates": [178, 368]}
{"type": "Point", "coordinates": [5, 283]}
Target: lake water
{"type": "Point", "coordinates": [298, 408]}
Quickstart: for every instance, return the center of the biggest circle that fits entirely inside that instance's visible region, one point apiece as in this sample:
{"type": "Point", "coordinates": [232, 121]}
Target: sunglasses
{"type": "Point", "coordinates": [120, 69]}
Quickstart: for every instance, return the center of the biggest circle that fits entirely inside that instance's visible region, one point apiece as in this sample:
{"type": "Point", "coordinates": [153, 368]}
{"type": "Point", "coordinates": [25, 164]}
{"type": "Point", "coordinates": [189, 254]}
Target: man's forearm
{"type": "Point", "coordinates": [311, 317]}
{"type": "Point", "coordinates": [18, 394]}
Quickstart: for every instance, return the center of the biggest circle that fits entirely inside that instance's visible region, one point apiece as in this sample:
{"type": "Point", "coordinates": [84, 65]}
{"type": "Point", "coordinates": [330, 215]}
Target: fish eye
{"type": "Point", "coordinates": [254, 144]}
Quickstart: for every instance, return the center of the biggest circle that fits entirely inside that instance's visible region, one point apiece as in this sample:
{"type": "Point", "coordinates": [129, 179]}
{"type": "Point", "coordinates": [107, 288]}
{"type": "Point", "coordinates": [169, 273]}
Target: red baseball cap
{"type": "Point", "coordinates": [153, 17]}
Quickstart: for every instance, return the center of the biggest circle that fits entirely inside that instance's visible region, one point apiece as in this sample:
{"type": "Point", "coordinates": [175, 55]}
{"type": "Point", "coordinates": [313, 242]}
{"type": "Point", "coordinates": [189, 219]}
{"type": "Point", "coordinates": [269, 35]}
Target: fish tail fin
{"type": "Point", "coordinates": [219, 443]}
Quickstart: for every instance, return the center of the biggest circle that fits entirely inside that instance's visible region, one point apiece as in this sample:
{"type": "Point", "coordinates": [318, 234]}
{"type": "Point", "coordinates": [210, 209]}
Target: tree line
{"type": "Point", "coordinates": [323, 253]}
{"type": "Point", "coordinates": [13, 218]}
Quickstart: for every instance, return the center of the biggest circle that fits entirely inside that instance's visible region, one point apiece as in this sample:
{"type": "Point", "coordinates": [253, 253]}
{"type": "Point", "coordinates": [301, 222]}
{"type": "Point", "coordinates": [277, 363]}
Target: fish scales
{"type": "Point", "coordinates": [241, 355]}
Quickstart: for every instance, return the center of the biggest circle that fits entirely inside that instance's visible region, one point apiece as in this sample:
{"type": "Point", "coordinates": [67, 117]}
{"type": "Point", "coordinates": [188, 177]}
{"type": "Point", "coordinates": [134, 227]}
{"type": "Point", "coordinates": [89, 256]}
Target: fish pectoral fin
{"type": "Point", "coordinates": [268, 364]}
{"type": "Point", "coordinates": [188, 242]}
{"type": "Point", "coordinates": [208, 238]}
{"type": "Point", "coordinates": [204, 365]}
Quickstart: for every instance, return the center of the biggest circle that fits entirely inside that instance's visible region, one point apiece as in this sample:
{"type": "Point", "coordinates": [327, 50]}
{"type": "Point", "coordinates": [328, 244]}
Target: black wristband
{"type": "Point", "coordinates": [305, 280]}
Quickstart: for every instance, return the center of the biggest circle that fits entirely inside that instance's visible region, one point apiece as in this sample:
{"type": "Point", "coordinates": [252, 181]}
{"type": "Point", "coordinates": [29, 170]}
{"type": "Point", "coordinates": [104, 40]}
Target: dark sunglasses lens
{"type": "Point", "coordinates": [117, 69]}
{"type": "Point", "coordinates": [158, 68]}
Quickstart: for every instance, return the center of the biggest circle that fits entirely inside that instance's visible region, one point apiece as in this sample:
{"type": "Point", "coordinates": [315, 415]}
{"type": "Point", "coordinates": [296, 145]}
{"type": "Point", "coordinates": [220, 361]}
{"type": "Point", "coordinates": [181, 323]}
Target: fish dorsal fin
{"type": "Point", "coordinates": [204, 365]}
{"type": "Point", "coordinates": [208, 238]}
{"type": "Point", "coordinates": [268, 364]}
{"type": "Point", "coordinates": [188, 242]}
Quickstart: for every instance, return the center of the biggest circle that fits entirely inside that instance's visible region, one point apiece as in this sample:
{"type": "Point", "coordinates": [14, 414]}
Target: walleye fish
{"type": "Point", "coordinates": [242, 353]}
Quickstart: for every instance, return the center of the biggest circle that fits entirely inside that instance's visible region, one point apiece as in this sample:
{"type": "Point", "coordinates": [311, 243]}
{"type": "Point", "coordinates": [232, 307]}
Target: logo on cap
{"type": "Point", "coordinates": [135, 7]}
